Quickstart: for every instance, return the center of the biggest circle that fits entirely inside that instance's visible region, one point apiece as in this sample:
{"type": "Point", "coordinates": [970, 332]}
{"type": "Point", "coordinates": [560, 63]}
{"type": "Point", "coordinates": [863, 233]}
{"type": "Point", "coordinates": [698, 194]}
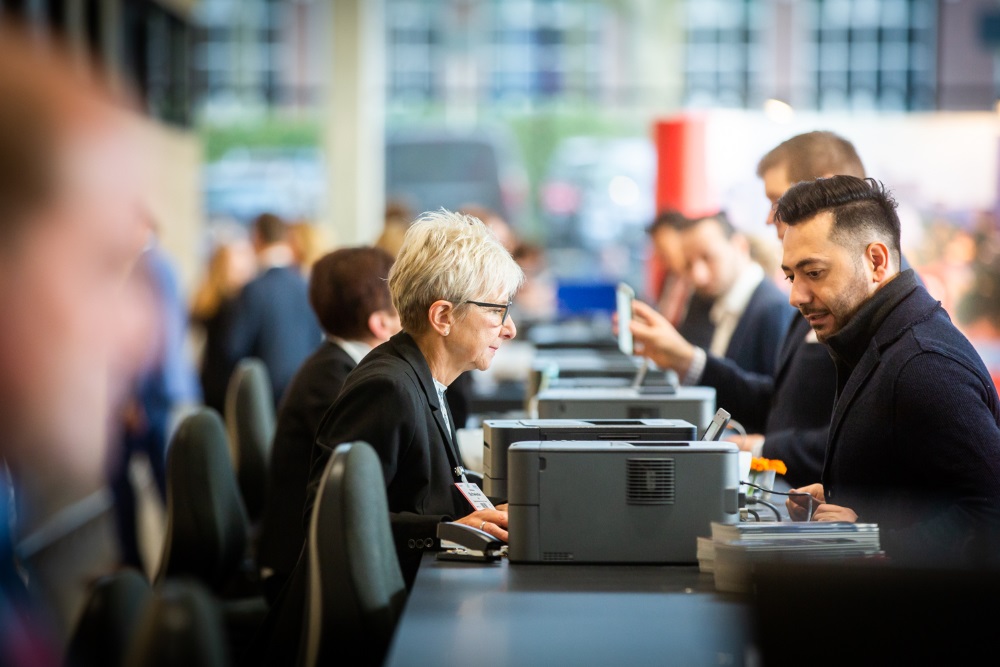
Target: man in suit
{"type": "Point", "coordinates": [786, 411]}
{"type": "Point", "coordinates": [746, 312]}
{"type": "Point", "coordinates": [675, 298]}
{"type": "Point", "coordinates": [915, 437]}
{"type": "Point", "coordinates": [272, 319]}
{"type": "Point", "coordinates": [350, 296]}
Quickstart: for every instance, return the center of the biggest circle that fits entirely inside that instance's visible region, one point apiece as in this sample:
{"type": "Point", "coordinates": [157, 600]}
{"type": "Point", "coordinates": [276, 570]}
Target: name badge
{"type": "Point", "coordinates": [474, 495]}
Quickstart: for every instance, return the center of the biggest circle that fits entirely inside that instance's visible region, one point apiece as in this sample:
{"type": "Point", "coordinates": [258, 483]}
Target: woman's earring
{"type": "Point", "coordinates": [447, 331]}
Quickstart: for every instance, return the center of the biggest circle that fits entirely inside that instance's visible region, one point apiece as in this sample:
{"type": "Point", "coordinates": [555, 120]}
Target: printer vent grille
{"type": "Point", "coordinates": [557, 555]}
{"type": "Point", "coordinates": [649, 481]}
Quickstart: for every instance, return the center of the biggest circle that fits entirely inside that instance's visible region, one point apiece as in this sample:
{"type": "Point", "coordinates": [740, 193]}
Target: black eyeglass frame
{"type": "Point", "coordinates": [505, 306]}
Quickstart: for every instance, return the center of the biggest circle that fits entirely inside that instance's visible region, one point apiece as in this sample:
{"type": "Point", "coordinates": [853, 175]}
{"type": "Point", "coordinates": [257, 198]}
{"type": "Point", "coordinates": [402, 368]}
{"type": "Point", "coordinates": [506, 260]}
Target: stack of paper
{"type": "Point", "coordinates": [736, 548]}
{"type": "Point", "coordinates": [706, 554]}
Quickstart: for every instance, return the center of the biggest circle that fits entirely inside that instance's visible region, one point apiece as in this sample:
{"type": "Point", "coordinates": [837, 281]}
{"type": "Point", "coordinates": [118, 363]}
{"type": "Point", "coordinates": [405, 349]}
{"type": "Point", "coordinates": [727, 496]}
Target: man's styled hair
{"type": "Point", "coordinates": [270, 229]}
{"type": "Point", "coordinates": [346, 286]}
{"type": "Point", "coordinates": [863, 210]}
{"type": "Point", "coordinates": [812, 155]}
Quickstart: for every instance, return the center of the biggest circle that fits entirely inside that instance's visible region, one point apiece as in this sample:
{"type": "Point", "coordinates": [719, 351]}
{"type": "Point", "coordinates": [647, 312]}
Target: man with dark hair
{"type": "Point", "coordinates": [269, 231]}
{"type": "Point", "coordinates": [350, 296]}
{"type": "Point", "coordinates": [674, 295]}
{"type": "Point", "coordinates": [746, 312]}
{"type": "Point", "coordinates": [915, 438]}
{"type": "Point", "coordinates": [786, 411]}
{"type": "Point", "coordinates": [272, 319]}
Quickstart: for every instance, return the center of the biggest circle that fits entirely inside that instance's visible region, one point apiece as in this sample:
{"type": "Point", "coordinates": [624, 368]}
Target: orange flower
{"type": "Point", "coordinates": [760, 464]}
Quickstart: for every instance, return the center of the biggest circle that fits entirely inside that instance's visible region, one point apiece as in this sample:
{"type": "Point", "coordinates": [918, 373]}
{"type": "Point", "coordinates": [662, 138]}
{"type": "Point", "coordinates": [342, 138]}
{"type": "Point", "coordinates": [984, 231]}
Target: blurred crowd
{"type": "Point", "coordinates": [960, 263]}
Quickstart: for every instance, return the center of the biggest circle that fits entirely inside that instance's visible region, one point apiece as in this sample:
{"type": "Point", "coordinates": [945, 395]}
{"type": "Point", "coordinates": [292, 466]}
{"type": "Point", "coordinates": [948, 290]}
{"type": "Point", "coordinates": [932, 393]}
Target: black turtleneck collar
{"type": "Point", "coordinates": [848, 345]}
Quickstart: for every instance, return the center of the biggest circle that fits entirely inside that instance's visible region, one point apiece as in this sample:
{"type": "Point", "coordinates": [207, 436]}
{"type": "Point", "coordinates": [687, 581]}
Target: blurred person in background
{"type": "Point", "coordinates": [272, 319]}
{"type": "Point", "coordinates": [675, 292]}
{"type": "Point", "coordinates": [350, 296]}
{"type": "Point", "coordinates": [308, 242]}
{"type": "Point", "coordinates": [231, 266]}
{"type": "Point", "coordinates": [500, 227]}
{"type": "Point", "coordinates": [70, 231]}
{"type": "Point", "coordinates": [162, 385]}
{"type": "Point", "coordinates": [397, 220]}
{"type": "Point", "coordinates": [951, 272]}
{"type": "Point", "coordinates": [978, 310]}
{"type": "Point", "coordinates": [536, 302]}
{"type": "Point", "coordinates": [748, 313]}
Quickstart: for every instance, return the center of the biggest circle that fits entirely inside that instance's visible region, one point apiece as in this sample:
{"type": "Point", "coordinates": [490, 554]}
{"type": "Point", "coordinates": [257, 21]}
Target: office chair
{"type": "Point", "coordinates": [110, 619]}
{"type": "Point", "coordinates": [181, 627]}
{"type": "Point", "coordinates": [355, 586]}
{"type": "Point", "coordinates": [250, 419]}
{"type": "Point", "coordinates": [206, 521]}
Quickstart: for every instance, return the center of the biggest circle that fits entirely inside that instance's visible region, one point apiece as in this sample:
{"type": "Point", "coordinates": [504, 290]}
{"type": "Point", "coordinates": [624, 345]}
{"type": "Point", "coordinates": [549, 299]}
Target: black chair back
{"type": "Point", "coordinates": [207, 525]}
{"type": "Point", "coordinates": [250, 419]}
{"type": "Point", "coordinates": [181, 627]}
{"type": "Point", "coordinates": [355, 585]}
{"type": "Point", "coordinates": [109, 620]}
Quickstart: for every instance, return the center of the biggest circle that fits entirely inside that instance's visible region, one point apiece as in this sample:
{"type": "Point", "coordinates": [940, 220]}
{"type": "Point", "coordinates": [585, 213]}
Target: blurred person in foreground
{"type": "Point", "coordinates": [231, 266]}
{"type": "Point", "coordinates": [272, 319]}
{"type": "Point", "coordinates": [70, 231]}
{"type": "Point", "coordinates": [915, 437]}
{"type": "Point", "coordinates": [350, 296]}
{"type": "Point", "coordinates": [787, 410]}
{"type": "Point", "coordinates": [452, 285]}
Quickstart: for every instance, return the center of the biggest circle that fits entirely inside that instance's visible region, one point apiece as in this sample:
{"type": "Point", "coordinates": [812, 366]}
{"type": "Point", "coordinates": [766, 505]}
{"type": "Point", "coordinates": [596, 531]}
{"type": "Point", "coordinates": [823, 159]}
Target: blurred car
{"type": "Point", "coordinates": [430, 168]}
{"type": "Point", "coordinates": [244, 182]}
{"type": "Point", "coordinates": [425, 169]}
{"type": "Point", "coordinates": [598, 190]}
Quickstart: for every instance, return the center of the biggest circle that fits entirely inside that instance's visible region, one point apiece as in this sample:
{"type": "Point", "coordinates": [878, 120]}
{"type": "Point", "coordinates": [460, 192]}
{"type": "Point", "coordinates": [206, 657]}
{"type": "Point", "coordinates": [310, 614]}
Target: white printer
{"type": "Point", "coordinates": [692, 404]}
{"type": "Point", "coordinates": [617, 502]}
{"type": "Point", "coordinates": [500, 434]}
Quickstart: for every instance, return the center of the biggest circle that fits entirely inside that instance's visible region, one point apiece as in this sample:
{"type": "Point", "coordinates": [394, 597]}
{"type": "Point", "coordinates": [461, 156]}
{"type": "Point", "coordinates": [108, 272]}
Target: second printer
{"type": "Point", "coordinates": [500, 434]}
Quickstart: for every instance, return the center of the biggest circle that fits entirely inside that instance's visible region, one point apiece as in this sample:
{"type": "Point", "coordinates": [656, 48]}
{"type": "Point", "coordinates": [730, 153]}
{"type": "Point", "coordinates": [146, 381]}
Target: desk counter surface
{"type": "Point", "coordinates": [560, 614]}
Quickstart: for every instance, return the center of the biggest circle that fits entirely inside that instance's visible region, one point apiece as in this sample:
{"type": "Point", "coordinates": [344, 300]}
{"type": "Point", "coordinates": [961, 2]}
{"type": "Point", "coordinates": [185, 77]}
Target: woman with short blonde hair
{"type": "Point", "coordinates": [452, 284]}
{"type": "Point", "coordinates": [451, 256]}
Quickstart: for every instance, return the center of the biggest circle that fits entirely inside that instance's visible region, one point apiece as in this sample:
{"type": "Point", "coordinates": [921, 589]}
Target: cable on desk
{"type": "Point", "coordinates": [758, 501]}
{"type": "Point", "coordinates": [783, 493]}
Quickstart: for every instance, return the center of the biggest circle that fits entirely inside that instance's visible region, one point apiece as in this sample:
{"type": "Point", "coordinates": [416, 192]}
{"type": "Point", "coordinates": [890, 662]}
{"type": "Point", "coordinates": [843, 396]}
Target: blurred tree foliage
{"type": "Point", "coordinates": [270, 132]}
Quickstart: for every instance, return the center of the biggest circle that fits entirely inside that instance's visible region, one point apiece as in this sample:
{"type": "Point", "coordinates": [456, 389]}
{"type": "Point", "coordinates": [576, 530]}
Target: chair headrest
{"type": "Point", "coordinates": [109, 619]}
{"type": "Point", "coordinates": [250, 420]}
{"type": "Point", "coordinates": [356, 589]}
{"type": "Point", "coordinates": [207, 524]}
